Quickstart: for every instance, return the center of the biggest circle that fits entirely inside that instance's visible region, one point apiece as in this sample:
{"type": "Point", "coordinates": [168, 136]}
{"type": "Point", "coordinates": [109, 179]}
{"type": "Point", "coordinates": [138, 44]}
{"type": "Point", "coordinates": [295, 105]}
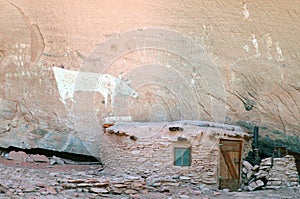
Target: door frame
{"type": "Point", "coordinates": [239, 177]}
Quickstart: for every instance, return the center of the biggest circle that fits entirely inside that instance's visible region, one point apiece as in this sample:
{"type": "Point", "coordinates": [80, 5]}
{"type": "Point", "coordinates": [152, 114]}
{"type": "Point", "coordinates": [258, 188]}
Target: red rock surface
{"type": "Point", "coordinates": [18, 156]}
{"type": "Point", "coordinates": [223, 61]}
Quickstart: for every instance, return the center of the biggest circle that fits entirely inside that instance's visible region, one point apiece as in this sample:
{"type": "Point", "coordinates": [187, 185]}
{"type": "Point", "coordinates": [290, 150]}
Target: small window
{"type": "Point", "coordinates": [182, 157]}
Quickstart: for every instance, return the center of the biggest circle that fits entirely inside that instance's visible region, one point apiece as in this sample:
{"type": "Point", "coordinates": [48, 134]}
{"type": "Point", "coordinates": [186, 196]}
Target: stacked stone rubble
{"type": "Point", "coordinates": [283, 173]}
{"type": "Point", "coordinates": [272, 173]}
{"type": "Point", "coordinates": [250, 180]}
{"type": "Point", "coordinates": [91, 183]}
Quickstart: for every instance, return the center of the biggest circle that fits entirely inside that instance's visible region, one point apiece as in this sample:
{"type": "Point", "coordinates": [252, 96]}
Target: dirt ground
{"type": "Point", "coordinates": [41, 180]}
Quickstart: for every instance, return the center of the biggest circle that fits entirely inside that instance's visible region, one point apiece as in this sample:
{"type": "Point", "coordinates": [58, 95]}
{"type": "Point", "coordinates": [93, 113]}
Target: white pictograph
{"type": "Point", "coordinates": [69, 82]}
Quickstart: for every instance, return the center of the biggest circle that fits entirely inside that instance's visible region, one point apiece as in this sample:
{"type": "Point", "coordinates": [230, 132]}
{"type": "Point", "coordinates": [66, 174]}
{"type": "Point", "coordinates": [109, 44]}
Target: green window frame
{"type": "Point", "coordinates": [182, 156]}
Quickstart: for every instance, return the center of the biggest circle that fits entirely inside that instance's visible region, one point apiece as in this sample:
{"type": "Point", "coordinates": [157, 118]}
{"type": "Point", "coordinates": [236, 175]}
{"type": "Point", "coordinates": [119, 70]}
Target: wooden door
{"type": "Point", "coordinates": [230, 164]}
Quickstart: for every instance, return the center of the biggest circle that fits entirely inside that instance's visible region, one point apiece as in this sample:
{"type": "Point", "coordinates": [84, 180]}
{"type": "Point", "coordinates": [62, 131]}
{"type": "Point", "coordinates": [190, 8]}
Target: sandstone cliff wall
{"type": "Point", "coordinates": [226, 61]}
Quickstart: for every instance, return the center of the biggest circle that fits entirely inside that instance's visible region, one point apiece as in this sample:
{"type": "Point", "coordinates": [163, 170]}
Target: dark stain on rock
{"type": "Point", "coordinates": [248, 104]}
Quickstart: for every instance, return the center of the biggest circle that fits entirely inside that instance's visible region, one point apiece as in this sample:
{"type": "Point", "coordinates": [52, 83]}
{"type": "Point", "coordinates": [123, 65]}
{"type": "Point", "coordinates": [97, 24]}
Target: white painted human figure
{"type": "Point", "coordinates": [255, 44]}
{"type": "Point", "coordinates": [68, 82]}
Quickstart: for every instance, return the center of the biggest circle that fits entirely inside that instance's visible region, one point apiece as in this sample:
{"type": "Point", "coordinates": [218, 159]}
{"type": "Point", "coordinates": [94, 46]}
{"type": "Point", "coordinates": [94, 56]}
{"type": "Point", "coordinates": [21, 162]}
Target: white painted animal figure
{"type": "Point", "coordinates": [68, 82]}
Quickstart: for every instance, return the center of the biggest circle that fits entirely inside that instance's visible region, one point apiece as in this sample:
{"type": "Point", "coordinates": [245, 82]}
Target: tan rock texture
{"type": "Point", "coordinates": [223, 61]}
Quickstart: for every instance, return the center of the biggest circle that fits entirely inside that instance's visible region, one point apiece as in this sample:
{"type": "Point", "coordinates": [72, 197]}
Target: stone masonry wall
{"type": "Point", "coordinates": [148, 150]}
{"type": "Point", "coordinates": [272, 173]}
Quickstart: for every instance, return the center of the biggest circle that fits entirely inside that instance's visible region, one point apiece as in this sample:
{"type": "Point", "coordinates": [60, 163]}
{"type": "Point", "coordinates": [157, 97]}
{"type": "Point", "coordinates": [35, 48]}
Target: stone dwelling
{"type": "Point", "coordinates": [194, 151]}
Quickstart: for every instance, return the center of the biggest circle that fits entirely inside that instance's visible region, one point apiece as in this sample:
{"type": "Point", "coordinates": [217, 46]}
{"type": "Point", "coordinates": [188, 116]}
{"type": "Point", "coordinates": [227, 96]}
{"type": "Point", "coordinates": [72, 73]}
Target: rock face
{"type": "Point", "coordinates": [233, 62]}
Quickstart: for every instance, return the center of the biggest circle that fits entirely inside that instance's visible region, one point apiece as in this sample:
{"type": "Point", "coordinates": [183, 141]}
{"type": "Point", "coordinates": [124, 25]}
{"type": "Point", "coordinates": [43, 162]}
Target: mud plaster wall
{"type": "Point", "coordinates": [227, 60]}
{"type": "Point", "coordinates": [152, 154]}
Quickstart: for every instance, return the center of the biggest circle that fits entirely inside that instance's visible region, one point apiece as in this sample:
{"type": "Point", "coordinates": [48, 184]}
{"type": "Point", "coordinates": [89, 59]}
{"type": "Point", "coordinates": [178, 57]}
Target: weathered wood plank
{"type": "Point", "coordinates": [230, 165]}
